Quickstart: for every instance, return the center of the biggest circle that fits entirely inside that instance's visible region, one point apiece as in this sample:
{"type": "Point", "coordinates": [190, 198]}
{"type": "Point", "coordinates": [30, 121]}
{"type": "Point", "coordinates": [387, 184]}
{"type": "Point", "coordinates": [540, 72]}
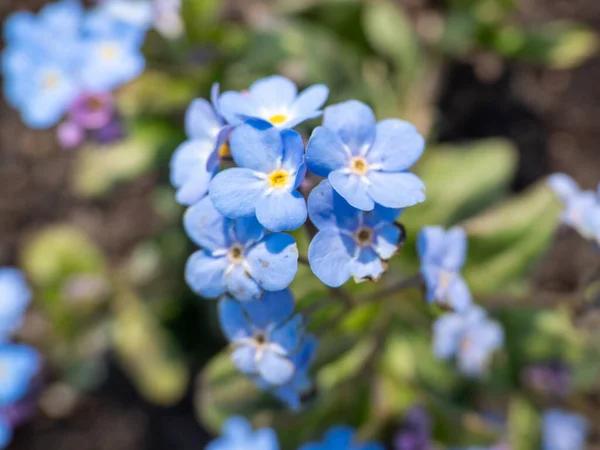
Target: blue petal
{"type": "Point", "coordinates": [19, 365]}
{"type": "Point", "coordinates": [272, 309]}
{"type": "Point", "coordinates": [293, 151]}
{"type": "Point", "coordinates": [395, 190]}
{"type": "Point", "coordinates": [431, 276]}
{"type": "Point", "coordinates": [273, 92]}
{"type": "Point", "coordinates": [201, 121]}
{"type": "Point", "coordinates": [455, 249]}
{"type": "Point", "coordinates": [235, 192]}
{"type": "Point", "coordinates": [459, 295]}
{"type": "Point", "coordinates": [237, 427]}
{"type": "Point", "coordinates": [281, 210]}
{"type": "Point", "coordinates": [215, 92]}
{"type": "Point", "coordinates": [354, 123]}
{"type": "Point", "coordinates": [244, 358]}
{"type": "Point", "coordinates": [339, 437]}
{"type": "Point", "coordinates": [275, 369]}
{"type": "Point", "coordinates": [242, 285]}
{"type": "Point", "coordinates": [397, 146]}
{"type": "Point", "coordinates": [563, 185]}
{"type": "Point", "coordinates": [367, 266]}
{"type": "Point", "coordinates": [290, 335]}
{"type": "Point", "coordinates": [326, 208]}
{"type": "Point", "coordinates": [329, 257]}
{"type": "Point", "coordinates": [311, 99]}
{"type": "Point", "coordinates": [236, 107]}
{"type": "Point", "coordinates": [353, 188]}
{"type": "Point", "coordinates": [205, 274]}
{"type": "Point", "coordinates": [234, 322]}
{"type": "Point", "coordinates": [273, 262]}
{"type": "Point", "coordinates": [248, 230]}
{"type": "Point", "coordinates": [206, 226]}
{"type": "Point", "coordinates": [447, 335]}
{"type": "Point", "coordinates": [431, 244]}
{"type": "Point", "coordinates": [19, 26]}
{"type": "Point", "coordinates": [325, 152]}
{"type": "Point", "coordinates": [5, 434]}
{"type": "Point", "coordinates": [265, 439]}
{"type": "Point", "coordinates": [381, 214]}
{"type": "Point", "coordinates": [386, 241]}
{"type": "Point", "coordinates": [256, 146]}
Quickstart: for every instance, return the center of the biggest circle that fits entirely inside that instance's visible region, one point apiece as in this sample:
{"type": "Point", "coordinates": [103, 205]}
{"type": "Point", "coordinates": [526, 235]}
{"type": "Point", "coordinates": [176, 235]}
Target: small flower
{"type": "Point", "coordinates": [442, 255]}
{"type": "Point", "coordinates": [470, 337]}
{"type": "Point", "coordinates": [341, 438]}
{"type": "Point", "coordinates": [276, 100]}
{"type": "Point", "coordinates": [196, 161]}
{"type": "Point", "coordinates": [70, 135]}
{"type": "Point", "coordinates": [237, 434]}
{"type": "Point", "coordinates": [264, 335]}
{"type": "Point", "coordinates": [367, 162]}
{"type": "Point", "coordinates": [415, 431]}
{"type": "Point", "coordinates": [92, 110]}
{"type": "Point", "coordinates": [271, 167]}
{"type": "Point", "coordinates": [563, 431]}
{"type": "Point", "coordinates": [582, 208]}
{"type": "Point", "coordinates": [237, 256]}
{"type": "Point", "coordinates": [15, 296]}
{"type": "Point", "coordinates": [350, 242]}
{"type": "Point", "coordinates": [18, 365]}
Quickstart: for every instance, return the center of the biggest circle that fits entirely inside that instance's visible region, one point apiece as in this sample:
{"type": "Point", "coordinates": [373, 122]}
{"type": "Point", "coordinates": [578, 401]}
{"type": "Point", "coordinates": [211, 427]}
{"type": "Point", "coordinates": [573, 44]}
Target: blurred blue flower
{"type": "Point", "coordinates": [5, 433]}
{"type": "Point", "coordinates": [271, 167]}
{"type": "Point", "coordinates": [196, 161]}
{"type": "Point", "coordinates": [276, 100]}
{"type": "Point", "coordinates": [366, 162]}
{"type": "Point", "coordinates": [469, 336]}
{"type": "Point", "coordinates": [237, 256]}
{"type": "Point", "coordinates": [264, 335]}
{"type": "Point", "coordinates": [350, 242]}
{"type": "Point", "coordinates": [18, 365]}
{"type": "Point", "coordinates": [582, 208]}
{"type": "Point", "coordinates": [341, 438]}
{"type": "Point", "coordinates": [442, 255]}
{"type": "Point", "coordinates": [237, 434]}
{"type": "Point", "coordinates": [15, 296]}
{"type": "Point", "coordinates": [563, 431]}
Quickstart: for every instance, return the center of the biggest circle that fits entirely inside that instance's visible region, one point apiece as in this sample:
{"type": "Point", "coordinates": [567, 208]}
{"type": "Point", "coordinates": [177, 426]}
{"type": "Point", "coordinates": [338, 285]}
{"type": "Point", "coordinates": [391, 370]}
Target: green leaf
{"type": "Point", "coordinates": [523, 425]}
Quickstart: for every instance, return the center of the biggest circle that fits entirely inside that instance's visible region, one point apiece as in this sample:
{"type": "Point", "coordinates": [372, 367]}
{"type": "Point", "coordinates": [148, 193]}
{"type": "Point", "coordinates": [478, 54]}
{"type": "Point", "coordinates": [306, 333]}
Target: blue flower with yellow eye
{"type": "Point", "coordinates": [15, 296]}
{"type": "Point", "coordinates": [442, 255]}
{"type": "Point", "coordinates": [274, 99]}
{"type": "Point", "coordinates": [271, 168]}
{"type": "Point", "coordinates": [563, 431]}
{"type": "Point", "coordinates": [18, 365]}
{"type": "Point", "coordinates": [237, 433]}
{"type": "Point", "coordinates": [237, 256]}
{"type": "Point", "coordinates": [350, 242]}
{"type": "Point", "coordinates": [196, 161]}
{"type": "Point", "coordinates": [342, 438]}
{"type": "Point", "coordinates": [366, 162]}
{"type": "Point", "coordinates": [470, 337]}
{"type": "Point", "coordinates": [264, 335]}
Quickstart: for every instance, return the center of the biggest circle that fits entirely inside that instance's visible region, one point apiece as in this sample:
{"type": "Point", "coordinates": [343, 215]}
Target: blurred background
{"type": "Point", "coordinates": [507, 92]}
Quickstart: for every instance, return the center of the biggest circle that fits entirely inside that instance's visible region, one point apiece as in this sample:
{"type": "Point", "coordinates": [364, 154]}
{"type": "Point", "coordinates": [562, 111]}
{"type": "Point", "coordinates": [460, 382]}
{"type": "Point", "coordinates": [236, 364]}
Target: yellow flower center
{"type": "Point", "coordinates": [278, 119]}
{"type": "Point", "coordinates": [224, 151]}
{"type": "Point", "coordinates": [364, 237]}
{"type": "Point", "coordinates": [359, 165]}
{"type": "Point", "coordinates": [109, 51]}
{"type": "Point", "coordinates": [278, 179]}
{"type": "Point", "coordinates": [50, 81]}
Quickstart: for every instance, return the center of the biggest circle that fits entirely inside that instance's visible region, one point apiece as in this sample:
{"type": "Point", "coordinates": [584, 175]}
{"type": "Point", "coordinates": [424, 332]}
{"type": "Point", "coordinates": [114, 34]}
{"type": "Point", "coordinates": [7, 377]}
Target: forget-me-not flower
{"type": "Point", "coordinates": [18, 365]}
{"type": "Point", "coordinates": [563, 431]}
{"type": "Point", "coordinates": [237, 256]}
{"type": "Point", "coordinates": [582, 208]}
{"type": "Point", "coordinates": [276, 100]}
{"type": "Point", "coordinates": [442, 255]}
{"type": "Point", "coordinates": [237, 433]}
{"type": "Point", "coordinates": [271, 168]}
{"type": "Point", "coordinates": [15, 296]}
{"type": "Point", "coordinates": [350, 242]}
{"type": "Point", "coordinates": [341, 438]}
{"type": "Point", "coordinates": [470, 337]}
{"type": "Point", "coordinates": [264, 335]}
{"type": "Point", "coordinates": [366, 162]}
{"type": "Point", "coordinates": [196, 161]}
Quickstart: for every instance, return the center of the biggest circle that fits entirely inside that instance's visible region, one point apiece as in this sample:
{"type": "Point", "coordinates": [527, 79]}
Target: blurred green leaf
{"type": "Point", "coordinates": [523, 425]}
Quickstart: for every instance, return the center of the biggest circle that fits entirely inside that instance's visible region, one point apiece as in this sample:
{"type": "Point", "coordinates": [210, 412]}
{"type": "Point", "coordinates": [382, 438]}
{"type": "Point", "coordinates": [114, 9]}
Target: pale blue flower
{"type": "Point", "coordinates": [18, 365]}
{"type": "Point", "coordinates": [563, 431]}
{"type": "Point", "coordinates": [15, 296]}
{"type": "Point", "coordinates": [341, 438]}
{"type": "Point", "coordinates": [366, 162]}
{"type": "Point", "coordinates": [237, 434]}
{"type": "Point", "coordinates": [5, 433]}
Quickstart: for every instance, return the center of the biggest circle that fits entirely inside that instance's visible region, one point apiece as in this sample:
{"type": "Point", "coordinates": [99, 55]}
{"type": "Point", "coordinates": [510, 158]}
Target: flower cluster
{"type": "Point", "coordinates": [466, 334]}
{"type": "Point", "coordinates": [66, 60]}
{"type": "Point", "coordinates": [563, 431]}
{"type": "Point", "coordinates": [241, 172]}
{"type": "Point", "coordinates": [18, 363]}
{"type": "Point", "coordinates": [582, 208]}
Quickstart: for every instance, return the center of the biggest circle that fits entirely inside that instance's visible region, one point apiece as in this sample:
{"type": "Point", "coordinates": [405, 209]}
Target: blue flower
{"type": "Point", "coordinates": [367, 162]}
{"type": "Point", "coordinates": [18, 365]}
{"type": "Point", "coordinates": [264, 335]}
{"type": "Point", "coordinates": [582, 208]}
{"type": "Point", "coordinates": [276, 100]}
{"type": "Point", "coordinates": [5, 433]}
{"type": "Point", "coordinates": [341, 438]}
{"type": "Point", "coordinates": [15, 296]}
{"type": "Point", "coordinates": [563, 431]}
{"type": "Point", "coordinates": [196, 161]}
{"type": "Point", "coordinates": [271, 167]}
{"type": "Point", "coordinates": [350, 242]}
{"type": "Point", "coordinates": [442, 255]}
{"type": "Point", "coordinates": [237, 434]}
{"type": "Point", "coordinates": [237, 256]}
{"type": "Point", "coordinates": [470, 337]}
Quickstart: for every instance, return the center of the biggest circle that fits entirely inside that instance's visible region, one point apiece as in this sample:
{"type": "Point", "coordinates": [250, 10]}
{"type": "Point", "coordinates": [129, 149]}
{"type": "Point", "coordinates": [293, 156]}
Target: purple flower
{"type": "Point", "coordinates": [92, 111]}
